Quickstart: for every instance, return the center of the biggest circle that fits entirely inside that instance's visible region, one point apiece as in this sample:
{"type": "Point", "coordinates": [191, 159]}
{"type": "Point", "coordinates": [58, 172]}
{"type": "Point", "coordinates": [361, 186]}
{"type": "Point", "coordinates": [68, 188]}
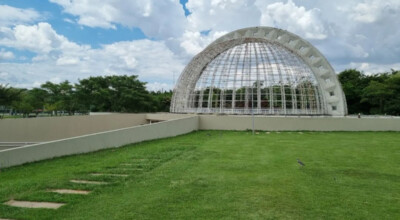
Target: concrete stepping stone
{"type": "Point", "coordinates": [109, 174]}
{"type": "Point", "coordinates": [88, 182]}
{"type": "Point", "coordinates": [126, 164]}
{"type": "Point", "coordinates": [131, 168]}
{"type": "Point", "coordinates": [5, 219]}
{"type": "Point", "coordinates": [300, 132]}
{"type": "Point", "coordinates": [36, 205]}
{"type": "Point", "coordinates": [145, 159]}
{"type": "Point", "coordinates": [126, 169]}
{"type": "Point", "coordinates": [69, 191]}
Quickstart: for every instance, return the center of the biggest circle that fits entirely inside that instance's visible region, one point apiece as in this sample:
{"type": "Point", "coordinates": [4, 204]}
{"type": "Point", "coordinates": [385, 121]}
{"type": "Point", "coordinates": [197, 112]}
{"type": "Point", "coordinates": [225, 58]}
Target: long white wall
{"type": "Point", "coordinates": [162, 116]}
{"type": "Point", "coordinates": [232, 122]}
{"type": "Point", "coordinates": [98, 141]}
{"type": "Point", "coordinates": [54, 128]}
{"type": "Point", "coordinates": [175, 124]}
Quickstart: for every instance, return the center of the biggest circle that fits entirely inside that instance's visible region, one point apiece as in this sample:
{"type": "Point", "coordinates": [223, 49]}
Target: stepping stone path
{"type": "Point", "coordinates": [109, 174]}
{"type": "Point", "coordinates": [88, 182]}
{"type": "Point", "coordinates": [300, 132]}
{"type": "Point", "coordinates": [135, 165]}
{"type": "Point", "coordinates": [69, 191]}
{"type": "Point", "coordinates": [28, 204]}
{"type": "Point", "coordinates": [267, 132]}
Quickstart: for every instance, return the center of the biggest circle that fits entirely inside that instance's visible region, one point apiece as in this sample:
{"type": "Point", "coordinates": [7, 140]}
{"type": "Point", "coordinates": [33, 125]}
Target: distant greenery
{"type": "Point", "coordinates": [221, 175]}
{"type": "Point", "coordinates": [96, 94]}
{"type": "Point", "coordinates": [371, 94]}
{"type": "Point", "coordinates": [366, 94]}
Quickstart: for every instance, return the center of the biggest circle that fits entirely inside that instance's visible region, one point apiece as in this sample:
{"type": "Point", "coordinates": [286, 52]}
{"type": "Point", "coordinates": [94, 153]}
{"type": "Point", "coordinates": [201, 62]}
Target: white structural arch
{"type": "Point", "coordinates": [329, 98]}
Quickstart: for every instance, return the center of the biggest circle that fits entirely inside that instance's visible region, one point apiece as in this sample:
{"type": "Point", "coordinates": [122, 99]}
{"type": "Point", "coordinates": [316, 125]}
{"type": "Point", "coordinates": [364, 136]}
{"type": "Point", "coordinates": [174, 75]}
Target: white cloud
{"type": "Point", "coordinates": [370, 11]}
{"type": "Point", "coordinates": [65, 60]}
{"type": "Point", "coordinates": [10, 16]}
{"type": "Point", "coordinates": [195, 42]}
{"type": "Point", "coordinates": [159, 19]}
{"type": "Point", "coordinates": [351, 34]}
{"type": "Point", "coordinates": [222, 15]}
{"type": "Point", "coordinates": [6, 55]}
{"type": "Point", "coordinates": [289, 16]}
{"type": "Point", "coordinates": [40, 38]}
{"type": "Point", "coordinates": [69, 20]}
{"type": "Point", "coordinates": [373, 68]}
{"type": "Point", "coordinates": [57, 58]}
{"type": "Point", "coordinates": [148, 59]}
{"type": "Point", "coordinates": [156, 86]}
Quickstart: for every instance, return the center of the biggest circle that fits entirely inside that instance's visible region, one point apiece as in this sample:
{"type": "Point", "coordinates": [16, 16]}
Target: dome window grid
{"type": "Point", "coordinates": [259, 70]}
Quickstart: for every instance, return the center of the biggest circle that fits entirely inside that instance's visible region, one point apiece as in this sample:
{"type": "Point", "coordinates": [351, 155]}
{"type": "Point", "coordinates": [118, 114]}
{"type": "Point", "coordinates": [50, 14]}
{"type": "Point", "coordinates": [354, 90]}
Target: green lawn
{"type": "Point", "coordinates": [221, 175]}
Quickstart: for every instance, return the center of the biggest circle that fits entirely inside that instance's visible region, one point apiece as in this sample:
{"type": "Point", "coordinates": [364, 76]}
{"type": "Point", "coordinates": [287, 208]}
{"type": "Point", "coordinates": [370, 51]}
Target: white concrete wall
{"type": "Point", "coordinates": [54, 128]}
{"type": "Point", "coordinates": [232, 122]}
{"type": "Point", "coordinates": [163, 116]}
{"type": "Point", "coordinates": [179, 124]}
{"type": "Point", "coordinates": [98, 141]}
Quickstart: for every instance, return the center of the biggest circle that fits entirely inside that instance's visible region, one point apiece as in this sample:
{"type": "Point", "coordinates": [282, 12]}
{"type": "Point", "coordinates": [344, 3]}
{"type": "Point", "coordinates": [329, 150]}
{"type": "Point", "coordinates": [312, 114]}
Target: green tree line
{"type": "Point", "coordinates": [94, 94]}
{"type": "Point", "coordinates": [371, 94]}
{"type": "Point", "coordinates": [366, 94]}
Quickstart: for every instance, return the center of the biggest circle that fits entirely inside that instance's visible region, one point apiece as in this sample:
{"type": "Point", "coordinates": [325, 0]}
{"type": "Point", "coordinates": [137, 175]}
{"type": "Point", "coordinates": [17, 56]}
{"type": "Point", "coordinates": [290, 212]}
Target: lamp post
{"type": "Point", "coordinates": [252, 107]}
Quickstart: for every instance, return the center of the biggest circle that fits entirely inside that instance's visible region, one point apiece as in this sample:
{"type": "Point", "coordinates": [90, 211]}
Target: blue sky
{"type": "Point", "coordinates": [59, 40]}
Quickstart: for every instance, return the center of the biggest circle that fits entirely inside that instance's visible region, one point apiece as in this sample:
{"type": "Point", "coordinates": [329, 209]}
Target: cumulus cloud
{"type": "Point", "coordinates": [297, 19]}
{"type": "Point", "coordinates": [211, 19]}
{"type": "Point", "coordinates": [57, 58]}
{"type": "Point", "coordinates": [194, 42]}
{"type": "Point", "coordinates": [371, 11]}
{"type": "Point", "coordinates": [158, 19]}
{"type": "Point", "coordinates": [222, 15]}
{"type": "Point", "coordinates": [6, 55]}
{"type": "Point", "coordinates": [148, 59]}
{"type": "Point", "coordinates": [351, 34]}
{"type": "Point", "coordinates": [156, 86]}
{"type": "Point", "coordinates": [40, 38]}
{"type": "Point", "coordinates": [373, 68]}
{"type": "Point", "coordinates": [10, 16]}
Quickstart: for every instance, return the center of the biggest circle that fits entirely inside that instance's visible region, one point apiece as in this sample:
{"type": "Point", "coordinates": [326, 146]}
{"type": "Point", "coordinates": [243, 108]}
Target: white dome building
{"type": "Point", "coordinates": [259, 70]}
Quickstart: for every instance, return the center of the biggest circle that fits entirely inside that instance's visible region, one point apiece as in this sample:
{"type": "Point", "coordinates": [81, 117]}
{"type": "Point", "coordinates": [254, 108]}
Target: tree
{"type": "Point", "coordinates": [37, 99]}
{"type": "Point", "coordinates": [8, 95]}
{"type": "Point", "coordinates": [353, 82]}
{"type": "Point", "coordinates": [375, 94]}
{"type": "Point", "coordinates": [393, 84]}
{"type": "Point", "coordinates": [114, 93]}
{"type": "Point", "coordinates": [60, 96]}
{"type": "Point", "coordinates": [161, 101]}
{"type": "Point", "coordinates": [371, 94]}
{"type": "Point", "coordinates": [22, 104]}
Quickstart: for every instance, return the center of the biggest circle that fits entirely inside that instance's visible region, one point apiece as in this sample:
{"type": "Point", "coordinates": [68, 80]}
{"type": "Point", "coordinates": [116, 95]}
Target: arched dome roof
{"type": "Point", "coordinates": [259, 70]}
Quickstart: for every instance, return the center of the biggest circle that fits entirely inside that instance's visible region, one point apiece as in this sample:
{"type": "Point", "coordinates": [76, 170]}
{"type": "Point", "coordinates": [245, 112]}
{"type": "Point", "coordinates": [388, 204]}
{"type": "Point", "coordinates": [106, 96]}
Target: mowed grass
{"type": "Point", "coordinates": [221, 175]}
